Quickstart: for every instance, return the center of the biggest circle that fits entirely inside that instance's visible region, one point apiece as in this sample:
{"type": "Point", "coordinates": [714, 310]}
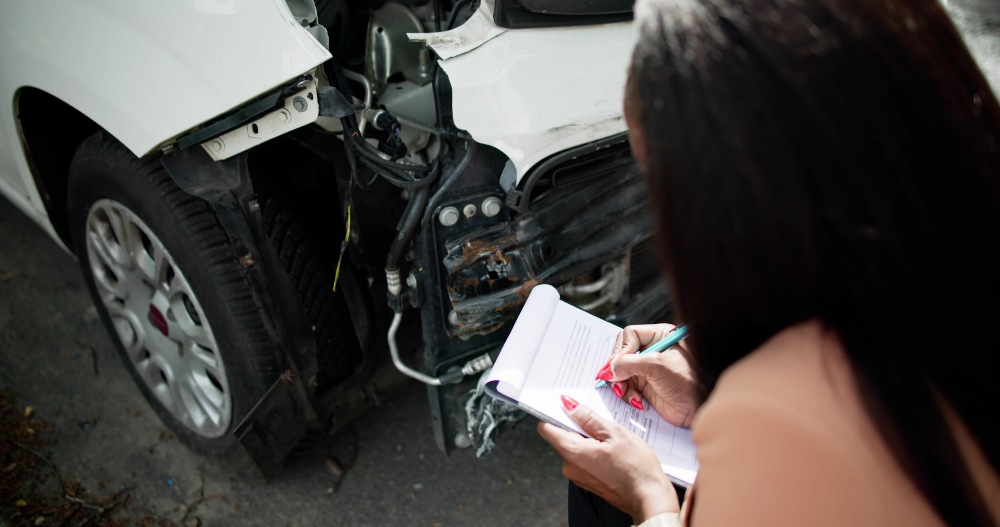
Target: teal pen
{"type": "Point", "coordinates": [664, 344]}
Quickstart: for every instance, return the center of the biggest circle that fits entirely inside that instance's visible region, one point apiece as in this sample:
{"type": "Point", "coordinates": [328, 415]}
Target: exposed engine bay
{"type": "Point", "coordinates": [434, 239]}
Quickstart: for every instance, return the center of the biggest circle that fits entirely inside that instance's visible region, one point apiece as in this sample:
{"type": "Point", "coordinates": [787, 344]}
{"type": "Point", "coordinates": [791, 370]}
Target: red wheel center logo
{"type": "Point", "coordinates": [158, 321]}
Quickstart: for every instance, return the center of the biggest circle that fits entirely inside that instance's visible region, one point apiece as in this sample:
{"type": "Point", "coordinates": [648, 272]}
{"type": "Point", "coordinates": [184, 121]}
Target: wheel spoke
{"type": "Point", "coordinates": [181, 402]}
{"type": "Point", "coordinates": [106, 271]}
{"type": "Point", "coordinates": [158, 382]}
{"type": "Point", "coordinates": [100, 245]}
{"type": "Point", "coordinates": [163, 269]}
{"type": "Point", "coordinates": [209, 403]}
{"type": "Point", "coordinates": [188, 324]}
{"type": "Point", "coordinates": [144, 261]}
{"type": "Point", "coordinates": [205, 359]}
{"type": "Point", "coordinates": [130, 333]}
{"type": "Point", "coordinates": [117, 226]}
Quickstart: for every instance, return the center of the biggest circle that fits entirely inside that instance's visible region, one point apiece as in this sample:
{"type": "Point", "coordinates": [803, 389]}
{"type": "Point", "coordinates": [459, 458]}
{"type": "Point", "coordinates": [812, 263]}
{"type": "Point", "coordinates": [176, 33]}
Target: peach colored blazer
{"type": "Point", "coordinates": [784, 440]}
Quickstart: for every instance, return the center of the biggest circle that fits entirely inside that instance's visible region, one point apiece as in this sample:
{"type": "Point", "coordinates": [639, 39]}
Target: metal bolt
{"type": "Point", "coordinates": [299, 103]}
{"type": "Point", "coordinates": [424, 62]}
{"type": "Point", "coordinates": [448, 216]}
{"type": "Point", "coordinates": [453, 317]}
{"type": "Point", "coordinates": [284, 116]}
{"type": "Point", "coordinates": [491, 206]}
{"type": "Point", "coordinates": [469, 210]}
{"type": "Point", "coordinates": [254, 205]}
{"type": "Point", "coordinates": [217, 145]}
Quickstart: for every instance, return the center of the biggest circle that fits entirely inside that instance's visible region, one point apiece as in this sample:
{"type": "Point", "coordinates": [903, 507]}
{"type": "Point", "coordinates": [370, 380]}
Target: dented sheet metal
{"type": "Point", "coordinates": [533, 92]}
{"type": "Point", "coordinates": [476, 31]}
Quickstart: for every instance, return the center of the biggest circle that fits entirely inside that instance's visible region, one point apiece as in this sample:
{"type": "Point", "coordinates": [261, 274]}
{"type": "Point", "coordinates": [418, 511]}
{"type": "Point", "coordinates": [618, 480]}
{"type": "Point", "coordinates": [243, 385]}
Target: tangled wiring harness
{"type": "Point", "coordinates": [337, 101]}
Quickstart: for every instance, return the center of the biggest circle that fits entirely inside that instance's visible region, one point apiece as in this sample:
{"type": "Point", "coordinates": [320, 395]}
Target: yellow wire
{"type": "Point", "coordinates": [347, 237]}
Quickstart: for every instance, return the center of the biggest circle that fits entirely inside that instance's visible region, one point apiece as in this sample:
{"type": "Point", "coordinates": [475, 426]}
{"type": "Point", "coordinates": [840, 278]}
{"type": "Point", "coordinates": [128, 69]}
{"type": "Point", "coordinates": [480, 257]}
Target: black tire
{"type": "Point", "coordinates": [202, 278]}
{"type": "Point", "coordinates": [310, 265]}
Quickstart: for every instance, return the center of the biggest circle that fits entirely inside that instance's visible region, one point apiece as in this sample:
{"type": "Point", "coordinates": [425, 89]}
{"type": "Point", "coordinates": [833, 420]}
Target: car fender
{"type": "Point", "coordinates": [148, 71]}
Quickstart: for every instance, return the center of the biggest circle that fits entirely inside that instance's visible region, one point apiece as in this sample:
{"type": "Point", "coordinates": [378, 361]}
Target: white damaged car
{"type": "Point", "coordinates": [283, 209]}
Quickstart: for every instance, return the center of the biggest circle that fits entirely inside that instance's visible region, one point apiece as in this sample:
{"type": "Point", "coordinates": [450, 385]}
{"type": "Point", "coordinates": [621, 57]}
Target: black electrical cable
{"type": "Point", "coordinates": [368, 151]}
{"type": "Point", "coordinates": [357, 143]}
{"type": "Point", "coordinates": [397, 181]}
{"type": "Point", "coordinates": [400, 175]}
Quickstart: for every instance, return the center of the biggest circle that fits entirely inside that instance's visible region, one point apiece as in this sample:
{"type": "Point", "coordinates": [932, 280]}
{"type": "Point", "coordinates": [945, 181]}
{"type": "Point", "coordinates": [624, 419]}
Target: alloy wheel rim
{"type": "Point", "coordinates": [158, 319]}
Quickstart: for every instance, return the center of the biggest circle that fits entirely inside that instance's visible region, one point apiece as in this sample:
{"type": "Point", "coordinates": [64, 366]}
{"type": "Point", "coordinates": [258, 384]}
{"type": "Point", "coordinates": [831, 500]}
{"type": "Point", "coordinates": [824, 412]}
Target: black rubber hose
{"type": "Point", "coordinates": [411, 218]}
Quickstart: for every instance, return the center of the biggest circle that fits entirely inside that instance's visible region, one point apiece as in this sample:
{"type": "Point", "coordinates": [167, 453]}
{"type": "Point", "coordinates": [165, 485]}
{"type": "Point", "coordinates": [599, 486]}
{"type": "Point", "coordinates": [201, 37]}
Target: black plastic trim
{"type": "Point", "coordinates": [525, 14]}
{"type": "Point", "coordinates": [578, 7]}
{"type": "Point", "coordinates": [519, 199]}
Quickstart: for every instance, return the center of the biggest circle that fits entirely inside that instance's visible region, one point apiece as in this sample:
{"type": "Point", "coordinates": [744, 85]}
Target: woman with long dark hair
{"type": "Point", "coordinates": [826, 180]}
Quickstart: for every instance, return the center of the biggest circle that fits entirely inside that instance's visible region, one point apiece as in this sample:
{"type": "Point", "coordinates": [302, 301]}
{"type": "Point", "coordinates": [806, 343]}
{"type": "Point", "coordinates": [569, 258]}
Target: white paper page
{"type": "Point", "coordinates": [576, 346]}
{"type": "Point", "coordinates": [522, 344]}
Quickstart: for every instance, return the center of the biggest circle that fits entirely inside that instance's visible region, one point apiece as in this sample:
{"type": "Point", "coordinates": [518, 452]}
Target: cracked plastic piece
{"type": "Point", "coordinates": [485, 416]}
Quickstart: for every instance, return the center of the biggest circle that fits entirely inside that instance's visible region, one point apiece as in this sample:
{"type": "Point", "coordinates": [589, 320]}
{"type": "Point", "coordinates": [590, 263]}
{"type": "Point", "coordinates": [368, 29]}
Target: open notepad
{"type": "Point", "coordinates": [556, 349]}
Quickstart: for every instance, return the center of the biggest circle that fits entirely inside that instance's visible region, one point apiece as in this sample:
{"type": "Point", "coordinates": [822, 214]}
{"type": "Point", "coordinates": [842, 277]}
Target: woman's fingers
{"type": "Point", "coordinates": [589, 421]}
{"type": "Point", "coordinates": [633, 397]}
{"type": "Point", "coordinates": [613, 463]}
{"type": "Point", "coordinates": [629, 366]}
{"type": "Point", "coordinates": [635, 338]}
{"type": "Point", "coordinates": [560, 439]}
{"type": "Point", "coordinates": [663, 380]}
{"type": "Point", "coordinates": [631, 340]}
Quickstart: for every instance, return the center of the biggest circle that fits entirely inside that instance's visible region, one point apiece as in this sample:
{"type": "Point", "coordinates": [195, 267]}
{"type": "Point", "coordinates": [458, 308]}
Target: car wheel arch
{"type": "Point", "coordinates": [49, 150]}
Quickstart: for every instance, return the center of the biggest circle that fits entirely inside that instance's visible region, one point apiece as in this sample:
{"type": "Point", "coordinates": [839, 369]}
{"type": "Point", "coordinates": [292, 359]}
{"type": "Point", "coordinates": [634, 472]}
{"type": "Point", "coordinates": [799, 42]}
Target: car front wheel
{"type": "Point", "coordinates": [170, 291]}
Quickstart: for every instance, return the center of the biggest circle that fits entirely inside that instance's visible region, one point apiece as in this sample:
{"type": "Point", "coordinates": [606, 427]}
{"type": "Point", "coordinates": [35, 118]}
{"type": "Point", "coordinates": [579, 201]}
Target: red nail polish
{"type": "Point", "coordinates": [569, 402]}
{"type": "Point", "coordinates": [618, 390]}
{"type": "Point", "coordinates": [636, 403]}
{"type": "Point", "coordinates": [605, 374]}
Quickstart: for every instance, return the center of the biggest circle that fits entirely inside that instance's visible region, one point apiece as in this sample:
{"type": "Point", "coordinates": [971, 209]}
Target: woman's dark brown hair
{"type": "Point", "coordinates": [835, 160]}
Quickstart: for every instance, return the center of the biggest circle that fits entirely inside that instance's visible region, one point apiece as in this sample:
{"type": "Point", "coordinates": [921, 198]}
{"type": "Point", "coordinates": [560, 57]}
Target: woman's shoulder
{"type": "Point", "coordinates": [797, 383]}
{"type": "Point", "coordinates": [803, 368]}
{"type": "Point", "coordinates": [786, 426]}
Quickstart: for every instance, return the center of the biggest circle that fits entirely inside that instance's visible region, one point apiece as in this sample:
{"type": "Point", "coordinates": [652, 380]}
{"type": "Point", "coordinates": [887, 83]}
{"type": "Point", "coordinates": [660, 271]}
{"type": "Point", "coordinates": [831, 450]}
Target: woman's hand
{"type": "Point", "coordinates": [613, 463]}
{"type": "Point", "coordinates": [664, 380]}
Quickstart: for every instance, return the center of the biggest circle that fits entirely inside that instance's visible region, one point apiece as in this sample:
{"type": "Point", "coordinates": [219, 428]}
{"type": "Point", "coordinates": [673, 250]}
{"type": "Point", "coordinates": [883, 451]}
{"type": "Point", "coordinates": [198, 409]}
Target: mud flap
{"type": "Point", "coordinates": [274, 427]}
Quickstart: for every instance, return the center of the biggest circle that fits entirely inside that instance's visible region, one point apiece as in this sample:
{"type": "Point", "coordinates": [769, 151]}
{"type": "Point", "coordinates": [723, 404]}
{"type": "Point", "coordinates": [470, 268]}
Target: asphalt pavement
{"type": "Point", "coordinates": [385, 470]}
